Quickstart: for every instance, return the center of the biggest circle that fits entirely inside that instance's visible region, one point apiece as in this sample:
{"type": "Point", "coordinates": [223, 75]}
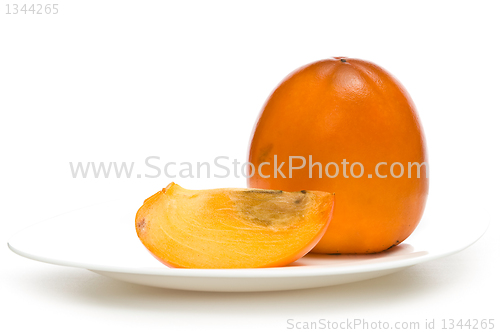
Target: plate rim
{"type": "Point", "coordinates": [287, 271]}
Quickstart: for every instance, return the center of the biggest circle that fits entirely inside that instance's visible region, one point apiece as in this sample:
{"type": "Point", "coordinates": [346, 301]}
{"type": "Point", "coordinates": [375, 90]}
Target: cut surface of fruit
{"type": "Point", "coordinates": [232, 228]}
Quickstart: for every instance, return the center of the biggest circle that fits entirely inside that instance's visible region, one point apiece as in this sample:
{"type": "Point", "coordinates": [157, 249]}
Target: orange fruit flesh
{"type": "Point", "coordinates": [232, 228]}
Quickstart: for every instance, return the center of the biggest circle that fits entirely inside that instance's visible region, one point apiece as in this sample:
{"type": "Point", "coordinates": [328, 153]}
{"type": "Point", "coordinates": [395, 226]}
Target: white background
{"type": "Point", "coordinates": [123, 80]}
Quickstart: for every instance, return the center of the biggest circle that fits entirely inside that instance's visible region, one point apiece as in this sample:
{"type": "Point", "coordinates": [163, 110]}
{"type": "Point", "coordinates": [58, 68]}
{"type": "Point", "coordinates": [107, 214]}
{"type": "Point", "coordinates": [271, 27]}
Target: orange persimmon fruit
{"type": "Point", "coordinates": [346, 110]}
{"type": "Point", "coordinates": [232, 228]}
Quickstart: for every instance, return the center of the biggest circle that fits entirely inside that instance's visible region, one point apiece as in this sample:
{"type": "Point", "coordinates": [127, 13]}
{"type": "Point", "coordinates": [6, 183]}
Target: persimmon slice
{"type": "Point", "coordinates": [232, 228]}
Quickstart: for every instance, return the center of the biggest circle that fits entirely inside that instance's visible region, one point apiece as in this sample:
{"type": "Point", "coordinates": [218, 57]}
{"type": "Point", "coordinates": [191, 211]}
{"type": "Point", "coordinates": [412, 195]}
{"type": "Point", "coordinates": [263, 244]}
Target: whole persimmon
{"type": "Point", "coordinates": [346, 126]}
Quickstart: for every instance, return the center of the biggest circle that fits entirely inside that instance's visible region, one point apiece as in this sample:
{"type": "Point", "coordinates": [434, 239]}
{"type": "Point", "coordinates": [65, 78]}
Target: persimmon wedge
{"type": "Point", "coordinates": [232, 228]}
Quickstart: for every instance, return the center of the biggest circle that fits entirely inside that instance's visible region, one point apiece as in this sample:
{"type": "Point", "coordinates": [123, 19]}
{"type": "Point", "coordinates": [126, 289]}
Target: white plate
{"type": "Point", "coordinates": [102, 239]}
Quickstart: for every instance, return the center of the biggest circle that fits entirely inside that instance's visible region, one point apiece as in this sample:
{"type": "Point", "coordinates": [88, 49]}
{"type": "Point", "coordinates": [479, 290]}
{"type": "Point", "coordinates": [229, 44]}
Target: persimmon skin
{"type": "Point", "coordinates": [342, 108]}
